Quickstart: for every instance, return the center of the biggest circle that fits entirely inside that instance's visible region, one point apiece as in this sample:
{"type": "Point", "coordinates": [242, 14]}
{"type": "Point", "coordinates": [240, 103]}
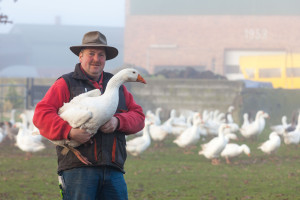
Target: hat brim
{"type": "Point", "coordinates": [111, 52]}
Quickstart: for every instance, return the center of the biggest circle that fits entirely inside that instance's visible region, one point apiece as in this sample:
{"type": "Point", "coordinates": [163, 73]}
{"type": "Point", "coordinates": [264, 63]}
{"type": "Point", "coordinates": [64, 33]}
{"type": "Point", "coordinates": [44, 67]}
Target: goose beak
{"type": "Point", "coordinates": [249, 155]}
{"type": "Point", "coordinates": [140, 79]}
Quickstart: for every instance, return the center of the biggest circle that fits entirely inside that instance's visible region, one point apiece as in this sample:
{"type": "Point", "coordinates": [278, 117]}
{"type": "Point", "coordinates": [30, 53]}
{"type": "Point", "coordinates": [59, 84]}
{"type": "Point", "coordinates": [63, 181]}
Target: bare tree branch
{"type": "Point", "coordinates": [4, 18]}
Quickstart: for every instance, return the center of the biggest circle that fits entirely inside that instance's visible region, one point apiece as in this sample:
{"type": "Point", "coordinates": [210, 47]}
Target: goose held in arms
{"type": "Point", "coordinates": [91, 110]}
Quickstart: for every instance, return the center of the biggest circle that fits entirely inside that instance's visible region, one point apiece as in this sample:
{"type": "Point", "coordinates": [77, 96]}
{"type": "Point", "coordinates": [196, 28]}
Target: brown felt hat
{"type": "Point", "coordinates": [95, 39]}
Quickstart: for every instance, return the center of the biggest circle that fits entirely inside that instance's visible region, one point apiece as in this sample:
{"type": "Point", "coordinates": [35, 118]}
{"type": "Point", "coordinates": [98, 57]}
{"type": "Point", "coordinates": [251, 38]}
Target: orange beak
{"type": "Point", "coordinates": [140, 79]}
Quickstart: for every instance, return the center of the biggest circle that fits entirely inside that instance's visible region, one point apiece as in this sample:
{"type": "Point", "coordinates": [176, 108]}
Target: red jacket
{"type": "Point", "coordinates": [53, 127]}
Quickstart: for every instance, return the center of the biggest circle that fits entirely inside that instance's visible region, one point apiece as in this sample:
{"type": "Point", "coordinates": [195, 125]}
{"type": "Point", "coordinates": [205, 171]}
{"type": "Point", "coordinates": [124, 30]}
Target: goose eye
{"type": "Point", "coordinates": [134, 72]}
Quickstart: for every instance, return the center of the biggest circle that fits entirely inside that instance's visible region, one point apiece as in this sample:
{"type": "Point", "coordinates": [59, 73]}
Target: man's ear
{"type": "Point", "coordinates": [80, 55]}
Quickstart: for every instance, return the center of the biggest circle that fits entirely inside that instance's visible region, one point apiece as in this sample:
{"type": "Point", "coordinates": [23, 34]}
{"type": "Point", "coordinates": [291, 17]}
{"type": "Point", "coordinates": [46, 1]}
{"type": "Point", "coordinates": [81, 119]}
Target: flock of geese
{"type": "Point", "coordinates": [214, 131]}
{"type": "Point", "coordinates": [187, 128]}
{"type": "Point", "coordinates": [217, 129]}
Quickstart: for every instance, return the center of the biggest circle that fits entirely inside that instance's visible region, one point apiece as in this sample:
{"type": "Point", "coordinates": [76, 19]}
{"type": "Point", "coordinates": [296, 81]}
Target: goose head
{"type": "Point", "coordinates": [158, 110]}
{"type": "Point", "coordinates": [246, 150]}
{"type": "Point", "coordinates": [222, 128]}
{"type": "Point", "coordinates": [260, 114]}
{"type": "Point", "coordinates": [131, 75]}
{"type": "Point", "coordinates": [230, 109]}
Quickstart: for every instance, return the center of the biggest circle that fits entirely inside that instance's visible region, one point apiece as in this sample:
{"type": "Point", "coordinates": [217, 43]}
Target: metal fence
{"type": "Point", "coordinates": [20, 96]}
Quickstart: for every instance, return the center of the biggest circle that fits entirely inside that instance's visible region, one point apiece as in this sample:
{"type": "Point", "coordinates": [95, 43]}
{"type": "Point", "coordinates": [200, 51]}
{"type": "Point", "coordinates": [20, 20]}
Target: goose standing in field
{"type": "Point", "coordinates": [191, 135]}
{"type": "Point", "coordinates": [159, 132]}
{"type": "Point", "coordinates": [177, 121]}
{"type": "Point", "coordinates": [292, 126]}
{"type": "Point", "coordinates": [262, 122]}
{"type": "Point", "coordinates": [2, 133]}
{"type": "Point", "coordinates": [213, 122]}
{"type": "Point", "coordinates": [214, 147]}
{"type": "Point", "coordinates": [280, 128]}
{"type": "Point", "coordinates": [91, 110]}
{"type": "Point", "coordinates": [246, 121]}
{"type": "Point", "coordinates": [233, 150]}
{"type": "Point", "coordinates": [27, 122]}
{"type": "Point", "coordinates": [27, 142]}
{"type": "Point", "coordinates": [178, 129]}
{"type": "Point", "coordinates": [253, 128]}
{"type": "Point", "coordinates": [139, 144]}
{"type": "Point", "coordinates": [228, 115]}
{"type": "Point", "coordinates": [29, 116]}
{"type": "Point", "coordinates": [155, 118]}
{"type": "Point", "coordinates": [272, 144]}
{"type": "Point", "coordinates": [292, 137]}
{"type": "Point", "coordinates": [234, 127]}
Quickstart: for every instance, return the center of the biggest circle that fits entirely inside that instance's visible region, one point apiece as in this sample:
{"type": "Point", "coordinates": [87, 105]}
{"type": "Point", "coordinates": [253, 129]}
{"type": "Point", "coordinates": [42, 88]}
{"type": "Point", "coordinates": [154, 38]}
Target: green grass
{"type": "Point", "coordinates": [165, 172]}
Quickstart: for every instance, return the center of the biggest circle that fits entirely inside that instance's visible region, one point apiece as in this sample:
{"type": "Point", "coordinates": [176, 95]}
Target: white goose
{"type": "Point", "coordinates": [139, 144]}
{"type": "Point", "coordinates": [191, 135]}
{"type": "Point", "coordinates": [280, 128]}
{"type": "Point", "coordinates": [253, 128]}
{"type": "Point", "coordinates": [245, 121]}
{"type": "Point", "coordinates": [177, 121]}
{"type": "Point", "coordinates": [157, 116]}
{"type": "Point", "coordinates": [292, 137]}
{"type": "Point", "coordinates": [214, 121]}
{"type": "Point", "coordinates": [159, 132]}
{"type": "Point", "coordinates": [214, 147]}
{"type": "Point", "coordinates": [229, 117]}
{"type": "Point", "coordinates": [262, 122]}
{"type": "Point", "coordinates": [91, 110]}
{"type": "Point", "coordinates": [271, 145]}
{"type": "Point", "coordinates": [233, 150]}
{"type": "Point", "coordinates": [28, 142]}
{"type": "Point", "coordinates": [2, 134]}
{"type": "Point", "coordinates": [27, 122]}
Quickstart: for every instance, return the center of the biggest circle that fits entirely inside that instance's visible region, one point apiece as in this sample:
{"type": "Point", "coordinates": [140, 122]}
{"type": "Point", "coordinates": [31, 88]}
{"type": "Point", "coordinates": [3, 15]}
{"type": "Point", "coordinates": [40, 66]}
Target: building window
{"type": "Point", "coordinates": [293, 72]}
{"type": "Point", "coordinates": [270, 73]}
{"type": "Point", "coordinates": [232, 69]}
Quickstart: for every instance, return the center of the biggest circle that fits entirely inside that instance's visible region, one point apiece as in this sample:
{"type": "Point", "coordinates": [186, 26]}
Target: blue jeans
{"type": "Point", "coordinates": [91, 183]}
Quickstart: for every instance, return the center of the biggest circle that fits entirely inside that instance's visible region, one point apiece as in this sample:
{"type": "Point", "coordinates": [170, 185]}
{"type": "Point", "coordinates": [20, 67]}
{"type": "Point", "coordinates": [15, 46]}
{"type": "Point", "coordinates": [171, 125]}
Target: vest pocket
{"type": "Point", "coordinates": [119, 154]}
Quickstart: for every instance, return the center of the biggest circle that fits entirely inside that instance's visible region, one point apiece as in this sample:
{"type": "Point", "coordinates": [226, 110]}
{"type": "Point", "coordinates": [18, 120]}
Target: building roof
{"type": "Point", "coordinates": [47, 46]}
{"type": "Point", "coordinates": [214, 7]}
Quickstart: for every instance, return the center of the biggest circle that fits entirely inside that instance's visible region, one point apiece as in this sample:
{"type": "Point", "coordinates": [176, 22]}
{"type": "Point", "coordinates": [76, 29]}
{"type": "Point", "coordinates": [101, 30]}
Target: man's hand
{"type": "Point", "coordinates": [110, 126]}
{"type": "Point", "coordinates": [79, 135]}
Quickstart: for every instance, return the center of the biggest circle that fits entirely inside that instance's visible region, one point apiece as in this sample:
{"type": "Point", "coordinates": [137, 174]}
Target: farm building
{"type": "Point", "coordinates": [208, 34]}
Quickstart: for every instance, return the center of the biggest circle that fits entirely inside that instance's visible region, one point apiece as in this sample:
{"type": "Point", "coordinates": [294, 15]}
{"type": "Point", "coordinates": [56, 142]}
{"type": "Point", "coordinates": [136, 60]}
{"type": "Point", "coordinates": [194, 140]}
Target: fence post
{"type": "Point", "coordinates": [2, 101]}
{"type": "Point", "coordinates": [29, 98]}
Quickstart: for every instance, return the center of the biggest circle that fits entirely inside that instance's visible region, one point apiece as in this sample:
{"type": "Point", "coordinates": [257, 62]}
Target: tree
{"type": "Point", "coordinates": [4, 18]}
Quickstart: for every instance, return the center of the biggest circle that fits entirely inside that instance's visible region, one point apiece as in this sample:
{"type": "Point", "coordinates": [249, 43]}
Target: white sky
{"type": "Point", "coordinates": [71, 12]}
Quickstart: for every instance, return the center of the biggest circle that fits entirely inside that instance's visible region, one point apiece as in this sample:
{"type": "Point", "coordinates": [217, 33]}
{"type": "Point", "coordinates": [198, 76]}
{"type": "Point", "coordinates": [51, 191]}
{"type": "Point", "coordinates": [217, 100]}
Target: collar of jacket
{"type": "Point", "coordinates": [78, 74]}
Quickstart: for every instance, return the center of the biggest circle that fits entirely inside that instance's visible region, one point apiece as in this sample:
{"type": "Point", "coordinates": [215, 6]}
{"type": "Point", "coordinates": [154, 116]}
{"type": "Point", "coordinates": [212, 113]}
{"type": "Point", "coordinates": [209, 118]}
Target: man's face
{"type": "Point", "coordinates": [93, 61]}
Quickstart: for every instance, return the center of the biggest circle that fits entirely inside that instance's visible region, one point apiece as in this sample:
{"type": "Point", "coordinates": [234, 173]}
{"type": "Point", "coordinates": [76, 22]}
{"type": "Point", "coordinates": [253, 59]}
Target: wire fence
{"type": "Point", "coordinates": [20, 97]}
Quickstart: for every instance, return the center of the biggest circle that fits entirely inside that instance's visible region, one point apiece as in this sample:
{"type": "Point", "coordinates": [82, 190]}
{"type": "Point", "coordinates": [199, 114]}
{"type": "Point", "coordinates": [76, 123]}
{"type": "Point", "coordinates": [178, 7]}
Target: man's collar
{"type": "Point", "coordinates": [89, 77]}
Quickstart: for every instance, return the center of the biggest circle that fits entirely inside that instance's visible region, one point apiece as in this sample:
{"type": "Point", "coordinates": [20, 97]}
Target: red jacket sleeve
{"type": "Point", "coordinates": [133, 120]}
{"type": "Point", "coordinates": [46, 119]}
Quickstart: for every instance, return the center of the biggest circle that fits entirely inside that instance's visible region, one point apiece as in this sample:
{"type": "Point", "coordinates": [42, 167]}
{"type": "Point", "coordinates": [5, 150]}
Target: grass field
{"type": "Point", "coordinates": [165, 172]}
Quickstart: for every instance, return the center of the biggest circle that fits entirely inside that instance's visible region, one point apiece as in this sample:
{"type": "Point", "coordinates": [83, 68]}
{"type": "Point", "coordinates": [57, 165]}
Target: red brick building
{"type": "Point", "coordinates": [208, 34]}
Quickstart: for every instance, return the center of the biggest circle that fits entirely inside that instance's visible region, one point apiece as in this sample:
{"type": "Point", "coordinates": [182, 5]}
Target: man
{"type": "Point", "coordinates": [106, 149]}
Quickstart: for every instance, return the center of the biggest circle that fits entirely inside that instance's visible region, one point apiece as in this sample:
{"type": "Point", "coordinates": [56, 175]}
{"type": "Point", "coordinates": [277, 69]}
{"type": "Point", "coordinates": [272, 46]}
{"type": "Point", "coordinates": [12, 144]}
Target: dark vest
{"type": "Point", "coordinates": [106, 149]}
